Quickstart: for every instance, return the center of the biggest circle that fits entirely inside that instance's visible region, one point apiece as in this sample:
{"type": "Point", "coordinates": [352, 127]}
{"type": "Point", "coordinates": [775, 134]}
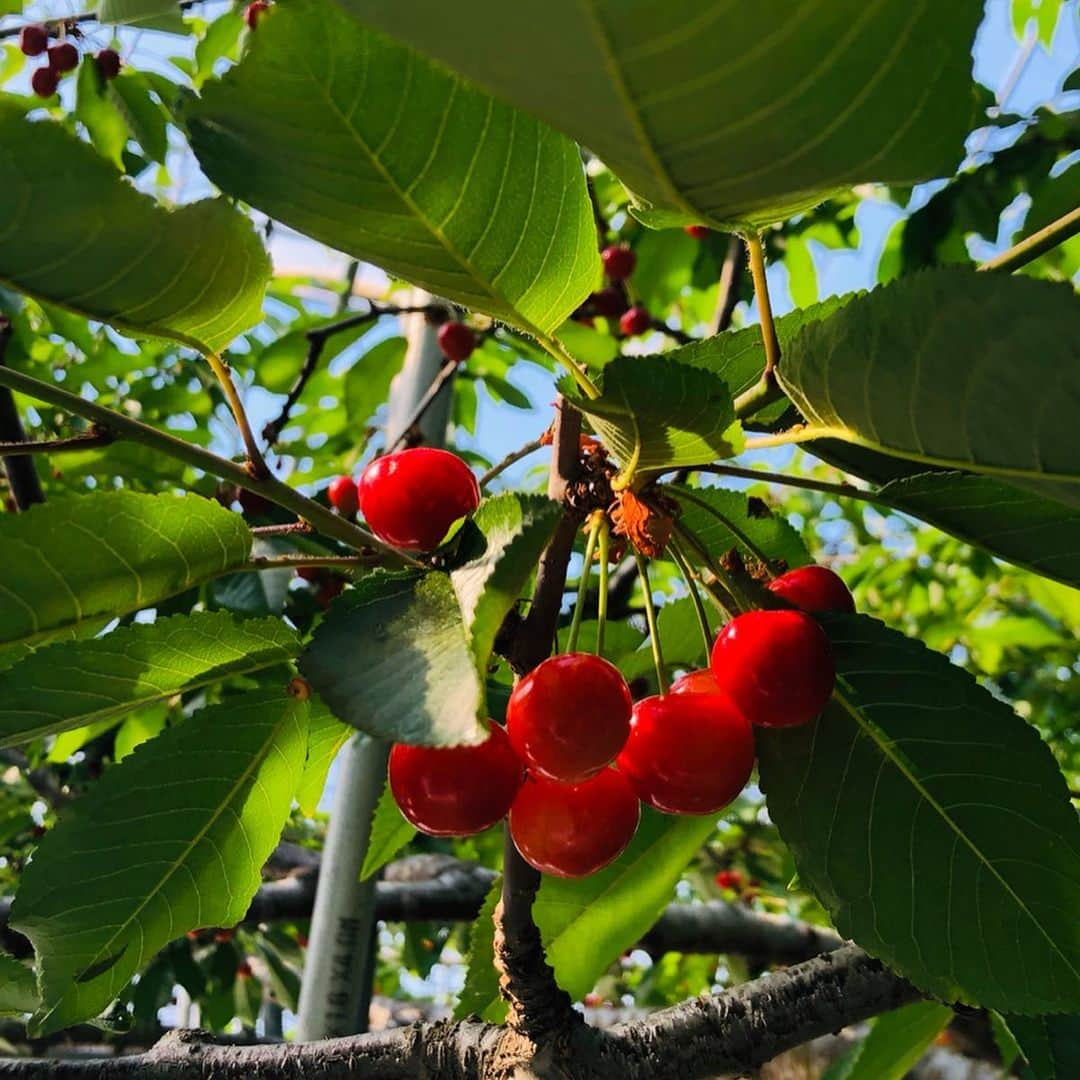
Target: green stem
{"type": "Point", "coordinates": [224, 377]}
{"type": "Point", "coordinates": [270, 487]}
{"type": "Point", "coordinates": [602, 596]}
{"type": "Point", "coordinates": [559, 352]}
{"type": "Point", "coordinates": [761, 294]}
{"type": "Point", "coordinates": [650, 618]}
{"type": "Point", "coordinates": [583, 584]}
{"type": "Point", "coordinates": [790, 437]}
{"type": "Point", "coordinates": [1038, 243]}
{"type": "Point", "coordinates": [724, 600]}
{"type": "Point", "coordinates": [691, 584]}
{"type": "Point", "coordinates": [294, 562]}
{"type": "Point", "coordinates": [764, 392]}
{"type": "Point", "coordinates": [846, 491]}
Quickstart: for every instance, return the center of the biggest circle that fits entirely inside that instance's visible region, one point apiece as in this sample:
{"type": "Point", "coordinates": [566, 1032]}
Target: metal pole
{"type": "Point", "coordinates": [336, 991]}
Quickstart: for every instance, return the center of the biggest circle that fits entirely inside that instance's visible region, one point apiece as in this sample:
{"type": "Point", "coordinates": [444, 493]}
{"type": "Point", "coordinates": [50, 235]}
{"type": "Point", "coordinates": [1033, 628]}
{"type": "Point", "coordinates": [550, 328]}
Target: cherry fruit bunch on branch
{"type": "Point", "coordinates": [554, 499]}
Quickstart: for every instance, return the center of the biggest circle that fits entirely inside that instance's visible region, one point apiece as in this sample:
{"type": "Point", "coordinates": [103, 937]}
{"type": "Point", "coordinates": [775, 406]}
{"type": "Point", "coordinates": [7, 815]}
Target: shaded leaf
{"type": "Point", "coordinates": [1050, 1045]}
{"type": "Point", "coordinates": [145, 14]}
{"type": "Point", "coordinates": [895, 1044]}
{"type": "Point", "coordinates": [933, 824]}
{"type": "Point", "coordinates": [18, 987]}
{"type": "Point", "coordinates": [105, 124]}
{"type": "Point", "coordinates": [390, 832]}
{"type": "Point", "coordinates": [367, 382]}
{"type": "Point", "coordinates": [480, 994]}
{"type": "Point", "coordinates": [326, 736]}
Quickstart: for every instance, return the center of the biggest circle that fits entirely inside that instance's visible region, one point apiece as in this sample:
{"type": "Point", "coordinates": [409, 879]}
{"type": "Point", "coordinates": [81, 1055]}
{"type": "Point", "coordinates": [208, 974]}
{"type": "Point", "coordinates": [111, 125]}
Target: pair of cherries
{"type": "Point", "coordinates": [409, 499]}
{"type": "Point", "coordinates": [577, 755]}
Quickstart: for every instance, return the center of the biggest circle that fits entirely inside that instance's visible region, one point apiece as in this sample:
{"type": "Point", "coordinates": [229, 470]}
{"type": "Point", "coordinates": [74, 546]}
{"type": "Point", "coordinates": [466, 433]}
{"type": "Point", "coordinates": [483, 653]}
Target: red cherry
{"type": "Point", "coordinates": [729, 879]}
{"type": "Point", "coordinates": [696, 682]}
{"type": "Point", "coordinates": [63, 57]}
{"type": "Point", "coordinates": [619, 261]}
{"type": "Point", "coordinates": [253, 11]}
{"type": "Point", "coordinates": [814, 588]}
{"type": "Point", "coordinates": [253, 504]}
{"type": "Point", "coordinates": [108, 62]}
{"type": "Point", "coordinates": [243, 970]}
{"type": "Point", "coordinates": [343, 496]}
{"type": "Point", "coordinates": [410, 499]}
{"type": "Point", "coordinates": [776, 666]}
{"type": "Point", "coordinates": [610, 302]}
{"type": "Point", "coordinates": [223, 935]}
{"type": "Point", "coordinates": [310, 573]}
{"type": "Point", "coordinates": [456, 790]}
{"type": "Point", "coordinates": [698, 232]}
{"type": "Point", "coordinates": [590, 1001]}
{"type": "Point", "coordinates": [44, 82]}
{"type": "Point", "coordinates": [569, 716]}
{"type": "Point", "coordinates": [457, 341]}
{"type": "Point", "coordinates": [571, 830]}
{"type": "Point", "coordinates": [688, 753]}
{"type": "Point", "coordinates": [635, 321]}
{"type": "Point", "coordinates": [302, 940]}
{"type": "Point", "coordinates": [33, 40]}
{"type": "Point", "coordinates": [329, 590]}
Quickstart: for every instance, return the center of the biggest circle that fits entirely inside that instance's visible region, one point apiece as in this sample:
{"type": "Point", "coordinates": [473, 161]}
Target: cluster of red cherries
{"type": "Point", "coordinates": [60, 59]}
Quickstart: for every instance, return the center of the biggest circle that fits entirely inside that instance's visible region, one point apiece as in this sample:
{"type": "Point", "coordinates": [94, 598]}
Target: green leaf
{"type": "Point", "coordinates": [170, 840]}
{"type": "Point", "coordinates": [396, 161]}
{"type": "Point", "coordinates": [480, 994]}
{"type": "Point", "coordinates": [1019, 526]}
{"type": "Point", "coordinates": [79, 559]}
{"type": "Point", "coordinates": [721, 519]}
{"type": "Point", "coordinates": [895, 1044]}
{"type": "Point", "coordinates": [74, 739]}
{"type": "Point", "coordinates": [951, 368]}
{"type": "Point", "coordinates": [367, 382]}
{"type": "Point", "coordinates": [326, 736]}
{"type": "Point", "coordinates": [501, 549]}
{"type": "Point", "coordinates": [106, 126]}
{"type": "Point", "coordinates": [392, 659]}
{"type": "Point", "coordinates": [146, 119]}
{"type": "Point", "coordinates": [1044, 12]}
{"type": "Point", "coordinates": [726, 114]}
{"type": "Point", "coordinates": [145, 14]}
{"type": "Point", "coordinates": [933, 824]}
{"type": "Point", "coordinates": [75, 233]}
{"type": "Point", "coordinates": [220, 40]}
{"type": "Point", "coordinates": [655, 414]}
{"type": "Point", "coordinates": [18, 987]}
{"type": "Point", "coordinates": [390, 832]}
{"type": "Point", "coordinates": [76, 683]}
{"type": "Point", "coordinates": [139, 727]}
{"type": "Point", "coordinates": [1050, 1045]}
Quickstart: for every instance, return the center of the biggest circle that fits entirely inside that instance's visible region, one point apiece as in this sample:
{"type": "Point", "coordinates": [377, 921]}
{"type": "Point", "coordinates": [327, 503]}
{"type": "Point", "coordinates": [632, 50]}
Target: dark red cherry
{"type": "Point", "coordinates": [456, 790]}
{"type": "Point", "coordinates": [329, 590]}
{"type": "Point", "coordinates": [243, 970]}
{"type": "Point", "coordinates": [635, 321]}
{"type": "Point", "coordinates": [698, 232]}
{"type": "Point", "coordinates": [814, 588]}
{"type": "Point", "coordinates": [254, 11]}
{"type": "Point", "coordinates": [729, 879]}
{"type": "Point", "coordinates": [410, 499]}
{"type": "Point", "coordinates": [688, 753]}
{"type": "Point", "coordinates": [33, 40]}
{"type": "Point", "coordinates": [343, 496]}
{"type": "Point", "coordinates": [108, 62]}
{"type": "Point", "coordinates": [776, 666]}
{"type": "Point", "coordinates": [609, 302]}
{"type": "Point", "coordinates": [310, 573]}
{"type": "Point", "coordinates": [63, 57]}
{"type": "Point", "coordinates": [457, 341]}
{"type": "Point", "coordinates": [569, 716]}
{"type": "Point", "coordinates": [571, 830]}
{"type": "Point", "coordinates": [253, 504]}
{"type": "Point", "coordinates": [696, 682]}
{"type": "Point", "coordinates": [619, 261]}
{"type": "Point", "coordinates": [44, 82]}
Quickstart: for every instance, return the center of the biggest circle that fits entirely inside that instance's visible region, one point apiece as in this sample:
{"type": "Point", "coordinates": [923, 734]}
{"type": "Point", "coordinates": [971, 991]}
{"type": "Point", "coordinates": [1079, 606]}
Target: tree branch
{"type": "Point", "coordinates": [21, 472]}
{"type": "Point", "coordinates": [730, 276]}
{"type": "Point", "coordinates": [446, 373]}
{"type": "Point", "coordinates": [511, 459]}
{"type": "Point", "coordinates": [1031, 247]}
{"type": "Point", "coordinates": [55, 446]}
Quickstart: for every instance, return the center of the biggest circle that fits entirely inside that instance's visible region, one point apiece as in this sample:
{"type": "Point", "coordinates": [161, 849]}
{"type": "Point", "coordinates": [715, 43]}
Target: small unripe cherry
{"type": "Point", "coordinates": [343, 496]}
{"type": "Point", "coordinates": [571, 830]}
{"type": "Point", "coordinates": [698, 232]}
{"type": "Point", "coordinates": [455, 790]}
{"type": "Point", "coordinates": [108, 62]}
{"type": "Point", "coordinates": [63, 57]}
{"type": "Point", "coordinates": [635, 321]}
{"type": "Point", "coordinates": [569, 716]}
{"type": "Point", "coordinates": [44, 82]}
{"type": "Point", "coordinates": [696, 682]}
{"type": "Point", "coordinates": [814, 588]}
{"type": "Point", "coordinates": [688, 753]}
{"type": "Point", "coordinates": [610, 302]}
{"type": "Point", "coordinates": [410, 499]}
{"type": "Point", "coordinates": [33, 39]}
{"type": "Point", "coordinates": [456, 340]}
{"type": "Point", "coordinates": [254, 11]}
{"type": "Point", "coordinates": [776, 666]}
{"type": "Point", "coordinates": [619, 261]}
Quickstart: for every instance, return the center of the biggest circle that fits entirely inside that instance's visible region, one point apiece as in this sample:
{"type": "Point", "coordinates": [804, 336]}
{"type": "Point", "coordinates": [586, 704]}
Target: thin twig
{"type": "Point", "coordinates": [650, 619]}
{"type": "Point", "coordinates": [730, 276]}
{"type": "Point", "coordinates": [56, 27]}
{"type": "Point", "coordinates": [23, 480]}
{"type": "Point", "coordinates": [223, 373]}
{"type": "Point", "coordinates": [583, 581]}
{"type": "Point", "coordinates": [511, 459]}
{"type": "Point", "coordinates": [1031, 247]}
{"type": "Point", "coordinates": [294, 562]}
{"type": "Point", "coordinates": [281, 530]}
{"type": "Point", "coordinates": [56, 446]}
{"type": "Point", "coordinates": [680, 336]}
{"type": "Point", "coordinates": [695, 597]}
{"type": "Point", "coordinates": [446, 373]}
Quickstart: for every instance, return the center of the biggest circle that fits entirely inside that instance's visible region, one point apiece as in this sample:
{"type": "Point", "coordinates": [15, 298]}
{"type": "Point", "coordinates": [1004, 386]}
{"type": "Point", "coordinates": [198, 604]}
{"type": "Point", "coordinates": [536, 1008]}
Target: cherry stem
{"type": "Point", "coordinates": [695, 597]}
{"type": "Point", "coordinates": [650, 618]}
{"type": "Point", "coordinates": [602, 596]}
{"type": "Point", "coordinates": [583, 582]}
{"type": "Point", "coordinates": [224, 377]}
{"type": "Point", "coordinates": [761, 294]}
{"type": "Point", "coordinates": [724, 600]}
{"type": "Point", "coordinates": [511, 459]}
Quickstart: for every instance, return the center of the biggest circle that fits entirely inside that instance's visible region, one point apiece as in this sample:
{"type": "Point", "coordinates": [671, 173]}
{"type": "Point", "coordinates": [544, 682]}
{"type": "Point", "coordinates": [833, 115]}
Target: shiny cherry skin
{"type": "Point", "coordinates": [635, 321]}
{"type": "Point", "coordinates": [609, 301]}
{"type": "Point", "coordinates": [569, 716]}
{"type": "Point", "coordinates": [456, 340]}
{"type": "Point", "coordinates": [44, 82]}
{"type": "Point", "coordinates": [688, 753]}
{"type": "Point", "coordinates": [63, 57]}
{"type": "Point", "coordinates": [33, 40]}
{"type": "Point", "coordinates": [410, 499]}
{"type": "Point", "coordinates": [619, 261]}
{"type": "Point", "coordinates": [696, 682]}
{"type": "Point", "coordinates": [698, 232]}
{"type": "Point", "coordinates": [776, 666]}
{"type": "Point", "coordinates": [814, 588]}
{"type": "Point", "coordinates": [343, 496]}
{"type": "Point", "coordinates": [456, 790]}
{"type": "Point", "coordinates": [729, 879]}
{"type": "Point", "coordinates": [108, 62]}
{"type": "Point", "coordinates": [571, 830]}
